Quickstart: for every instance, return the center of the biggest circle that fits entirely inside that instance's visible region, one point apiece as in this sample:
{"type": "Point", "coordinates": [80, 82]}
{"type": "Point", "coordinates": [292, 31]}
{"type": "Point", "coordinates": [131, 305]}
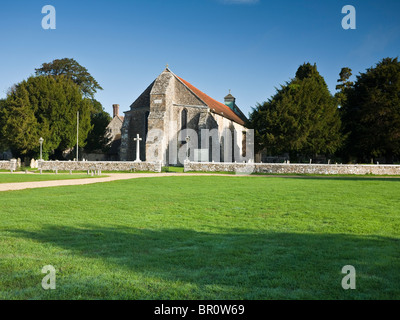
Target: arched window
{"type": "Point", "coordinates": [244, 138]}
{"type": "Point", "coordinates": [184, 119]}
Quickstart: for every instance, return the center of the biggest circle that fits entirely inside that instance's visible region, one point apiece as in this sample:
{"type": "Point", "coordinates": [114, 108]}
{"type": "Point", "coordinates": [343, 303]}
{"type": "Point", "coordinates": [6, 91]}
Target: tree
{"type": "Point", "coordinates": [371, 113]}
{"type": "Point", "coordinates": [45, 107]}
{"type": "Point", "coordinates": [343, 86]}
{"type": "Point", "coordinates": [97, 138]}
{"type": "Point", "coordinates": [301, 118]}
{"type": "Point", "coordinates": [73, 70]}
{"type": "Point", "coordinates": [2, 137]}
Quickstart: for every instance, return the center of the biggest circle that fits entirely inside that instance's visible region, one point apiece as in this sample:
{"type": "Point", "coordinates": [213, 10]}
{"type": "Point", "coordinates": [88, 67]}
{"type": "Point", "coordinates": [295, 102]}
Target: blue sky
{"type": "Point", "coordinates": [247, 46]}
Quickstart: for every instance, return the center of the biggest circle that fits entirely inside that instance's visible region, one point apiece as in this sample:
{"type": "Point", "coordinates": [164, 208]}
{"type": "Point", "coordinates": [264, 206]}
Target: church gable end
{"type": "Point", "coordinates": [185, 97]}
{"type": "Point", "coordinates": [161, 98]}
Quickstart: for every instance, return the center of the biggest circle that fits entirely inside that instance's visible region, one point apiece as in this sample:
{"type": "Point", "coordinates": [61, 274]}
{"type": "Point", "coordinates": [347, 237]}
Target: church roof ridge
{"type": "Point", "coordinates": [213, 104]}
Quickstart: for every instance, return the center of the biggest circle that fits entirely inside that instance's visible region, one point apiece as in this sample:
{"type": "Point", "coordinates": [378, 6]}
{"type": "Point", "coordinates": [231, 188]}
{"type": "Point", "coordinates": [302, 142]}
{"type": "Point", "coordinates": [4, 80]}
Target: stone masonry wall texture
{"type": "Point", "coordinates": [5, 165]}
{"type": "Point", "coordinates": [9, 165]}
{"type": "Point", "coordinates": [294, 168]}
{"type": "Point", "coordinates": [100, 165]}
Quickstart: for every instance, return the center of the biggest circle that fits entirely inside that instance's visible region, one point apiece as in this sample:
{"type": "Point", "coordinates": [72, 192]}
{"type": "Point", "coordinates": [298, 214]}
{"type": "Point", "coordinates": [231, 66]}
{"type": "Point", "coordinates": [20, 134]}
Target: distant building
{"type": "Point", "coordinates": [114, 134]}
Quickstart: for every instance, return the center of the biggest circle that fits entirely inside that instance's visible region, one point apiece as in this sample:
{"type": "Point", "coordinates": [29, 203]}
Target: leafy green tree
{"type": "Point", "coordinates": [97, 138]}
{"type": "Point", "coordinates": [371, 113]}
{"type": "Point", "coordinates": [45, 107]}
{"type": "Point", "coordinates": [302, 118]}
{"type": "Point", "coordinates": [73, 70]}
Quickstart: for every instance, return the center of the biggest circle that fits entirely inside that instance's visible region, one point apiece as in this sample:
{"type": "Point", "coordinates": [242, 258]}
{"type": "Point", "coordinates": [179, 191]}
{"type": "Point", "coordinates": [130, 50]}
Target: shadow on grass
{"type": "Point", "coordinates": [253, 265]}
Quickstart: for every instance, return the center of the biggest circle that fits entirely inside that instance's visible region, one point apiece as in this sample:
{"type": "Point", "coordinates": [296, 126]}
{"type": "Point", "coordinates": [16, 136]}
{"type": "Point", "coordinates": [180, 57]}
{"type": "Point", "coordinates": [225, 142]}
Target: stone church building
{"type": "Point", "coordinates": [170, 105]}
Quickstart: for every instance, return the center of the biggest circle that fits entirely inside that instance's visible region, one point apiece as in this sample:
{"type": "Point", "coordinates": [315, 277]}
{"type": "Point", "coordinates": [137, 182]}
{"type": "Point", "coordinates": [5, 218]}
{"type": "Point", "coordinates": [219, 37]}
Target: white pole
{"type": "Point", "coordinates": [41, 148]}
{"type": "Point", "coordinates": [77, 136]}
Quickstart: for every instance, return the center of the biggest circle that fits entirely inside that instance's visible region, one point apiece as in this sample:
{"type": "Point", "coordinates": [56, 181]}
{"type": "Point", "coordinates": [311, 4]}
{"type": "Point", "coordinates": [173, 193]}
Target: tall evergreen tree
{"type": "Point", "coordinates": [70, 68]}
{"type": "Point", "coordinates": [302, 118]}
{"type": "Point", "coordinates": [97, 138]}
{"type": "Point", "coordinates": [2, 137]}
{"type": "Point", "coordinates": [371, 113]}
{"type": "Point", "coordinates": [45, 107]}
{"type": "Point", "coordinates": [343, 85]}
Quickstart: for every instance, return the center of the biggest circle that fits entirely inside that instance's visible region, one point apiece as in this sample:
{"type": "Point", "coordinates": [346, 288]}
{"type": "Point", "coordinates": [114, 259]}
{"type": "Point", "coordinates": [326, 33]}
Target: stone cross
{"type": "Point", "coordinates": [137, 139]}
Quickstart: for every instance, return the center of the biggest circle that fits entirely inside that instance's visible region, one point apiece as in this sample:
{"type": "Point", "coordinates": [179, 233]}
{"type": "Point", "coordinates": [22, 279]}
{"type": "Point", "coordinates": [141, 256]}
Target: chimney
{"type": "Point", "coordinates": [230, 101]}
{"type": "Point", "coordinates": [115, 110]}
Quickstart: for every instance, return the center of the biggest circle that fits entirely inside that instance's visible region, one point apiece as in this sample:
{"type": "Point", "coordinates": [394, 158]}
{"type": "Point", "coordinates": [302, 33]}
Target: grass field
{"type": "Point", "coordinates": [203, 238]}
{"type": "Point", "coordinates": [11, 178]}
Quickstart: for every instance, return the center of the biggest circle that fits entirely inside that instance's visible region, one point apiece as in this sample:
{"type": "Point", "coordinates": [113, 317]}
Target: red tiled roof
{"type": "Point", "coordinates": [213, 104]}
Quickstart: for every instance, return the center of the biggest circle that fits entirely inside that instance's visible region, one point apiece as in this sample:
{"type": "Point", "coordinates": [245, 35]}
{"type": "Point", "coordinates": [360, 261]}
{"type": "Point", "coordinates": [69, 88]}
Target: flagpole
{"type": "Point", "coordinates": [77, 135]}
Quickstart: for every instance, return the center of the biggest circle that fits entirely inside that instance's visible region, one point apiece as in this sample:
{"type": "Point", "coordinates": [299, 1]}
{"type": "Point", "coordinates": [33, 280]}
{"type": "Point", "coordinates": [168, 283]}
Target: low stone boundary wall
{"type": "Point", "coordinates": [9, 165]}
{"type": "Point", "coordinates": [99, 165]}
{"type": "Point", "coordinates": [293, 168]}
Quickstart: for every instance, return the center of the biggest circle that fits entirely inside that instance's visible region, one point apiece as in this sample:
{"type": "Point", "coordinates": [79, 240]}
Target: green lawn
{"type": "Point", "coordinates": [203, 237]}
{"type": "Point", "coordinates": [173, 169]}
{"type": "Point", "coordinates": [11, 178]}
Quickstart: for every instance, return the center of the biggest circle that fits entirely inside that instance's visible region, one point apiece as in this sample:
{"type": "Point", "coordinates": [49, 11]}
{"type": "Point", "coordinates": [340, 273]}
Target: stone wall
{"type": "Point", "coordinates": [100, 165]}
{"type": "Point", "coordinates": [5, 165]}
{"type": "Point", "coordinates": [275, 168]}
{"type": "Point", "coordinates": [9, 165]}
